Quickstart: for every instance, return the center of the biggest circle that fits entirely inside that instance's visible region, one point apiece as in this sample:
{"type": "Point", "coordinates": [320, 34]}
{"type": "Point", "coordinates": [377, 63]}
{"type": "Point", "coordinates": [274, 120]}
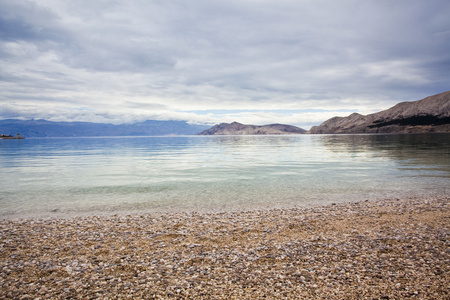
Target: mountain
{"type": "Point", "coordinates": [431, 114]}
{"type": "Point", "coordinates": [236, 128]}
{"type": "Point", "coordinates": [43, 128]}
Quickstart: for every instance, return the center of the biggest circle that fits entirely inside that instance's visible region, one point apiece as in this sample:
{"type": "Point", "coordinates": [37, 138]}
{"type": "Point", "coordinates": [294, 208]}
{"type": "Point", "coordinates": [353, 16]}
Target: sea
{"type": "Point", "coordinates": [86, 176]}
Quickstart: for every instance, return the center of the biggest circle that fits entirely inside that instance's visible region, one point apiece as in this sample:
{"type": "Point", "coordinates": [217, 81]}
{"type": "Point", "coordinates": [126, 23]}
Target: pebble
{"type": "Point", "coordinates": [388, 249]}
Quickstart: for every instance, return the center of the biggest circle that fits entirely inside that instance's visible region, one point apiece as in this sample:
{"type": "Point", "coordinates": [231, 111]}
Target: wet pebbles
{"type": "Point", "coordinates": [390, 249]}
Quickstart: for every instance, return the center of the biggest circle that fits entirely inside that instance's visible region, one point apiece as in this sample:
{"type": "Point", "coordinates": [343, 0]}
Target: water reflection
{"type": "Point", "coordinates": [415, 149]}
{"type": "Point", "coordinates": [210, 172]}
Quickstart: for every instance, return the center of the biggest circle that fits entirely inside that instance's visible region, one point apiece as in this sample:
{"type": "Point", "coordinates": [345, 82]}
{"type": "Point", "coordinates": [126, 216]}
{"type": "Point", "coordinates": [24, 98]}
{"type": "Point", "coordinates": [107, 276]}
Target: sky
{"type": "Point", "coordinates": [251, 61]}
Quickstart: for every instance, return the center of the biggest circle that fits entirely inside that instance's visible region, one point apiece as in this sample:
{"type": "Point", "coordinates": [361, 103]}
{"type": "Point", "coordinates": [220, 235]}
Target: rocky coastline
{"type": "Point", "coordinates": [429, 115]}
{"type": "Point", "coordinates": [388, 249]}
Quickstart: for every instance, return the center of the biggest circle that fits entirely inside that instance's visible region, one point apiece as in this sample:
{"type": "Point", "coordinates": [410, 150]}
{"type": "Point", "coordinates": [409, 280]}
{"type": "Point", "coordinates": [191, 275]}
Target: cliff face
{"type": "Point", "coordinates": [236, 128]}
{"type": "Point", "coordinates": [431, 114]}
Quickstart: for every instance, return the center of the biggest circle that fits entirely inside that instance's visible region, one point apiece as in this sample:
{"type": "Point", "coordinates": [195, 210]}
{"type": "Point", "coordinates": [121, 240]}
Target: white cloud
{"type": "Point", "coordinates": [398, 71]}
{"type": "Point", "coordinates": [131, 60]}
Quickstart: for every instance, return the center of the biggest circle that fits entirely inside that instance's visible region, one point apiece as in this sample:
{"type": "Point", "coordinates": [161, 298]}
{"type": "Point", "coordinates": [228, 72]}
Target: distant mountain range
{"type": "Point", "coordinates": [236, 128]}
{"type": "Point", "coordinates": [431, 114]}
{"type": "Point", "coordinates": [43, 128]}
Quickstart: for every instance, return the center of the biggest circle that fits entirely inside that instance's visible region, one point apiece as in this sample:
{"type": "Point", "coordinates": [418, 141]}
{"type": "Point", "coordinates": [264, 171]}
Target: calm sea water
{"type": "Point", "coordinates": [45, 177]}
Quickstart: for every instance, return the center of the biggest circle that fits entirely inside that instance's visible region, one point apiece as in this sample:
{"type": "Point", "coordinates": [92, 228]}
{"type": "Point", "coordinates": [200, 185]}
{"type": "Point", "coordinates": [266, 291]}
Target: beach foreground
{"type": "Point", "coordinates": [389, 249]}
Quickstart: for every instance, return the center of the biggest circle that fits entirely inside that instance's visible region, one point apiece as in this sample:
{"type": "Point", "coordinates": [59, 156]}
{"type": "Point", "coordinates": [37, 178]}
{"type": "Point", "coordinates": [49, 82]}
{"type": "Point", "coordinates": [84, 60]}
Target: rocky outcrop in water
{"type": "Point", "coordinates": [236, 128]}
{"type": "Point", "coordinates": [10, 137]}
{"type": "Point", "coordinates": [431, 114]}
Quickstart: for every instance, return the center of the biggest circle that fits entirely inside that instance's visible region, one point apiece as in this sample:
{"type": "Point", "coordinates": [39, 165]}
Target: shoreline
{"type": "Point", "coordinates": [96, 211]}
{"type": "Point", "coordinates": [384, 249]}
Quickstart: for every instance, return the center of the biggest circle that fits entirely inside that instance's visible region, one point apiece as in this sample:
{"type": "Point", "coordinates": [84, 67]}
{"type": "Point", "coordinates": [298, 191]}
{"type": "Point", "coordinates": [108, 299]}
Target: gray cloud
{"type": "Point", "coordinates": [165, 58]}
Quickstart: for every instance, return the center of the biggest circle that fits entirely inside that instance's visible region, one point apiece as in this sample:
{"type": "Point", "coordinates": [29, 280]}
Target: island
{"type": "Point", "coordinates": [236, 128]}
{"type": "Point", "coordinates": [10, 137]}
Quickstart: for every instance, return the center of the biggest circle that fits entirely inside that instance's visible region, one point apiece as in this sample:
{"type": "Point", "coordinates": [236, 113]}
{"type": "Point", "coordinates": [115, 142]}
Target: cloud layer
{"type": "Point", "coordinates": [297, 62]}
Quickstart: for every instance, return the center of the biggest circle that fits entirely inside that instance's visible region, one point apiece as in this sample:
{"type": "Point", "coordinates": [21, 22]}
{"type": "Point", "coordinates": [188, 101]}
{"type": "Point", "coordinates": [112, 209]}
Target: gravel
{"type": "Point", "coordinates": [388, 249]}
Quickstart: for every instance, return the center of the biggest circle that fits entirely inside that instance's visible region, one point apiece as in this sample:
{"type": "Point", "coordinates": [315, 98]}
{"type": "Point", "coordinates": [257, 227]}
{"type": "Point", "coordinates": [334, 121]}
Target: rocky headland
{"type": "Point", "coordinates": [236, 128]}
{"type": "Point", "coordinates": [431, 114]}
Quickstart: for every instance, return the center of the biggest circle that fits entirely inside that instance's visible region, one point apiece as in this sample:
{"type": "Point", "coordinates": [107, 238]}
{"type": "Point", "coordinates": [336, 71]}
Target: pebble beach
{"type": "Point", "coordinates": [387, 249]}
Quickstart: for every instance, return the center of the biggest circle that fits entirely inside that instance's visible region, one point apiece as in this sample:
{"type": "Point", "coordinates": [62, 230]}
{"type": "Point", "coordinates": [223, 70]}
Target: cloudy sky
{"type": "Point", "coordinates": [252, 61]}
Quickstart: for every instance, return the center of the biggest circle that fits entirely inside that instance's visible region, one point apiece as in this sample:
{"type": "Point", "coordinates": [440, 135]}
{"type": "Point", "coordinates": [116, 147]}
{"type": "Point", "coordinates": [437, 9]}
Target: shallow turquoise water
{"type": "Point", "coordinates": [85, 176]}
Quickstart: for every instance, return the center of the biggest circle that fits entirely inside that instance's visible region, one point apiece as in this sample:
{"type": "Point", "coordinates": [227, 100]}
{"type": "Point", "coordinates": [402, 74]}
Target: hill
{"type": "Point", "coordinates": [236, 128]}
{"type": "Point", "coordinates": [43, 128]}
{"type": "Point", "coordinates": [431, 114]}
